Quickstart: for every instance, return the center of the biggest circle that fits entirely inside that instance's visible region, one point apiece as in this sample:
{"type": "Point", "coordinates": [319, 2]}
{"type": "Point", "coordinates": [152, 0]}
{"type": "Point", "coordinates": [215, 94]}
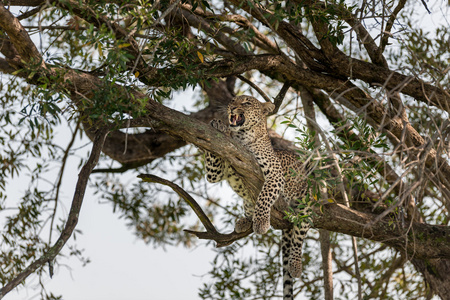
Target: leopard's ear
{"type": "Point", "coordinates": [267, 107]}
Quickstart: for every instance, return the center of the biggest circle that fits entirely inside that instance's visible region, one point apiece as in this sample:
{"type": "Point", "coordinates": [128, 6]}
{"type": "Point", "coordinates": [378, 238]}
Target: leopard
{"type": "Point", "coordinates": [284, 180]}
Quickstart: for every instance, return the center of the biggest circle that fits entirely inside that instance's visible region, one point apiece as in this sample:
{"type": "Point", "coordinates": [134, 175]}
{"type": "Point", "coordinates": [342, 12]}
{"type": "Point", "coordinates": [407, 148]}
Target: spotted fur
{"type": "Point", "coordinates": [281, 169]}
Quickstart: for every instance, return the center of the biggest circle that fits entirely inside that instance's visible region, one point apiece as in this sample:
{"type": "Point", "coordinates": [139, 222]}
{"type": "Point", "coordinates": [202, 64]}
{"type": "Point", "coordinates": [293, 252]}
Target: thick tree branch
{"type": "Point", "coordinates": [143, 148]}
{"type": "Point", "coordinates": [417, 241]}
{"type": "Point", "coordinates": [20, 39]}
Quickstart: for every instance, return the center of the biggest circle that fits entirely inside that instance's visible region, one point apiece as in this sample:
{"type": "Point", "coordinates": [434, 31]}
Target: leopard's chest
{"type": "Point", "coordinates": [258, 143]}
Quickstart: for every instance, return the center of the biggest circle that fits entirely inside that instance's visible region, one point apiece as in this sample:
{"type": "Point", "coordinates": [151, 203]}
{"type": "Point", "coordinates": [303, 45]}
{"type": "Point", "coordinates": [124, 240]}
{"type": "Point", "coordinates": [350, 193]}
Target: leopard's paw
{"type": "Point", "coordinates": [295, 267]}
{"type": "Point", "coordinates": [261, 225]}
{"type": "Point", "coordinates": [219, 125]}
{"type": "Point", "coordinates": [243, 224]}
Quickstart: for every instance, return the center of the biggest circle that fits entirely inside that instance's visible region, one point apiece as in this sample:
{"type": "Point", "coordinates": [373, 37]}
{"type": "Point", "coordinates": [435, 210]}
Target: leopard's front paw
{"type": "Point", "coordinates": [261, 224]}
{"type": "Point", "coordinates": [243, 224]}
{"type": "Point", "coordinates": [219, 125]}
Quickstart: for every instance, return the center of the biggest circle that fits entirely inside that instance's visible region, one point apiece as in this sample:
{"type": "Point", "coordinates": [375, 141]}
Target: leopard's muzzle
{"type": "Point", "coordinates": [237, 120]}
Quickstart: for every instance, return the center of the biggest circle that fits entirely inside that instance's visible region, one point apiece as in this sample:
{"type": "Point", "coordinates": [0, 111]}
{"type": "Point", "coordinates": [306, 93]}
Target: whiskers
{"type": "Point", "coordinates": [222, 113]}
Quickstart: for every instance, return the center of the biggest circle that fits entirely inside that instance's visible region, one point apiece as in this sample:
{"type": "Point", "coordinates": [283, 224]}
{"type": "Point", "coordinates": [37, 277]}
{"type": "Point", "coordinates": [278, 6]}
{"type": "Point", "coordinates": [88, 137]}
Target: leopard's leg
{"type": "Point", "coordinates": [244, 223]}
{"type": "Point", "coordinates": [270, 192]}
{"type": "Point", "coordinates": [236, 183]}
{"type": "Point", "coordinates": [288, 292]}
{"type": "Point", "coordinates": [215, 167]}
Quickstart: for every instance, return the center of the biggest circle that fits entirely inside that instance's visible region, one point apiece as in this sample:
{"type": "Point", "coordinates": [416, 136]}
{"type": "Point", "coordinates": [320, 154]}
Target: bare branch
{"type": "Point", "coordinates": [222, 240]}
{"type": "Point", "coordinates": [389, 24]}
{"type": "Point", "coordinates": [325, 248]}
{"type": "Point", "coordinates": [254, 86]}
{"type": "Point", "coordinates": [183, 194]}
{"type": "Point", "coordinates": [60, 177]}
{"type": "Point", "coordinates": [211, 232]}
{"type": "Point", "coordinates": [30, 13]}
{"type": "Point", "coordinates": [434, 241]}
{"type": "Point", "coordinates": [278, 100]}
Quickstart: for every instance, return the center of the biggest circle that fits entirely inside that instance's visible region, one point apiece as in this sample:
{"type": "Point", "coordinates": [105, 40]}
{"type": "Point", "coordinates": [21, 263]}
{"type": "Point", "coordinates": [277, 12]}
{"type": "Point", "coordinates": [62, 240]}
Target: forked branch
{"type": "Point", "coordinates": [211, 232]}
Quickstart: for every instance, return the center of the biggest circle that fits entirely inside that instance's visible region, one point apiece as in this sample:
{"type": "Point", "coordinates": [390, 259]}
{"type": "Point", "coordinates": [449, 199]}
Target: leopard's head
{"type": "Point", "coordinates": [244, 112]}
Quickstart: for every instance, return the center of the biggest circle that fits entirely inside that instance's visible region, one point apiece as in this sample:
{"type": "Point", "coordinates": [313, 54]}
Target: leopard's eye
{"type": "Point", "coordinates": [246, 103]}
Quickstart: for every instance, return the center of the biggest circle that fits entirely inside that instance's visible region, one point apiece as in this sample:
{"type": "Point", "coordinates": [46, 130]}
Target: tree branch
{"type": "Point", "coordinates": [324, 235]}
{"type": "Point", "coordinates": [254, 86]}
{"type": "Point", "coordinates": [19, 37]}
{"type": "Point", "coordinates": [72, 219]}
{"type": "Point", "coordinates": [211, 231]}
{"type": "Point", "coordinates": [419, 241]}
{"type": "Point", "coordinates": [278, 100]}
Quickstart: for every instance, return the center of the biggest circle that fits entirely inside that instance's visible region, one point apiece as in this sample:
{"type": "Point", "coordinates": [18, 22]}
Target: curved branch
{"type": "Point", "coordinates": [183, 194]}
{"type": "Point", "coordinates": [278, 100]}
{"type": "Point", "coordinates": [221, 239]}
{"type": "Point", "coordinates": [211, 231]}
{"type": "Point", "coordinates": [254, 86]}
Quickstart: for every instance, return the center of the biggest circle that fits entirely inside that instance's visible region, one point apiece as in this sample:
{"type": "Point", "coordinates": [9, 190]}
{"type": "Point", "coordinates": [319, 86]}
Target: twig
{"type": "Point", "coordinates": [122, 169]}
{"type": "Point", "coordinates": [278, 100]}
{"type": "Point", "coordinates": [30, 13]}
{"type": "Point", "coordinates": [211, 233]}
{"type": "Point", "coordinates": [426, 6]}
{"type": "Point", "coordinates": [260, 91]}
{"type": "Point", "coordinates": [389, 24]}
{"type": "Point", "coordinates": [72, 219]}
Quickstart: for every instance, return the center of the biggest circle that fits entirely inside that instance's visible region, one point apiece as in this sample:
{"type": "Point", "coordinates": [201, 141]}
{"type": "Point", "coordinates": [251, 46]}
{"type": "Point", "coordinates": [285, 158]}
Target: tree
{"type": "Point", "coordinates": [375, 81]}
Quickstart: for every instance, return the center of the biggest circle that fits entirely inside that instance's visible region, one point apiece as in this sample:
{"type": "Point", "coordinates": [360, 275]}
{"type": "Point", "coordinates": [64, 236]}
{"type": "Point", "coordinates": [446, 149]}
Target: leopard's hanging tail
{"type": "Point", "coordinates": [291, 250]}
{"type": "Point", "coordinates": [288, 284]}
